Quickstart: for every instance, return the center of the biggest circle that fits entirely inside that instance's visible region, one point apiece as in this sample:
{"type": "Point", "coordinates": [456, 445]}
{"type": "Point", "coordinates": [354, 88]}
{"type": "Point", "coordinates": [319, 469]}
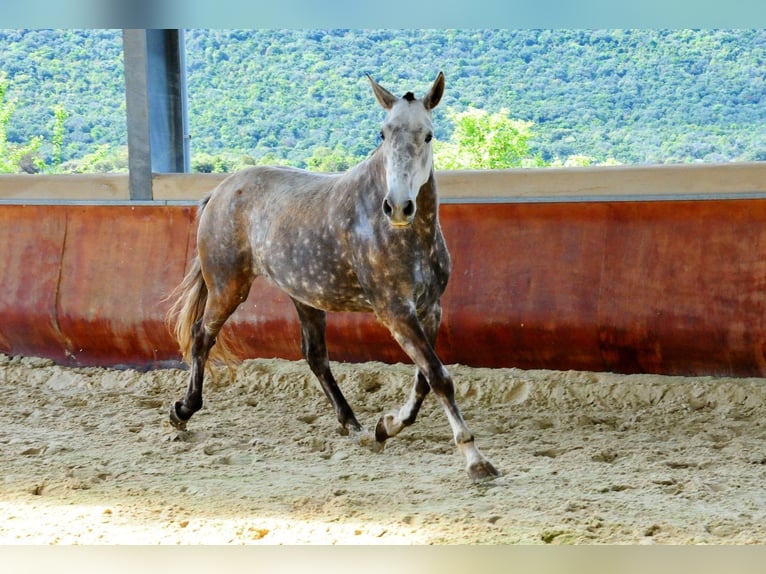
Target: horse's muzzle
{"type": "Point", "coordinates": [399, 214]}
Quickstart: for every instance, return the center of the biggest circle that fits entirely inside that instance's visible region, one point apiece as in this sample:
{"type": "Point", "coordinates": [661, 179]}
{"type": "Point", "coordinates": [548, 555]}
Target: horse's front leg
{"type": "Point", "coordinates": [314, 347]}
{"type": "Point", "coordinates": [408, 332]}
{"type": "Point", "coordinates": [393, 423]}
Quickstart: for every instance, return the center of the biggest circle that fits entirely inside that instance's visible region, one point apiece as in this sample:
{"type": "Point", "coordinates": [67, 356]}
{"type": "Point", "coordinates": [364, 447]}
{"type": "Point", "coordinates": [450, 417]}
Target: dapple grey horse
{"type": "Point", "coordinates": [368, 240]}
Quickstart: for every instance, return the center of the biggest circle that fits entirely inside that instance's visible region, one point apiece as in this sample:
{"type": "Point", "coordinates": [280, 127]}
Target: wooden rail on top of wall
{"type": "Point", "coordinates": [696, 181]}
{"type": "Point", "coordinates": [70, 187]}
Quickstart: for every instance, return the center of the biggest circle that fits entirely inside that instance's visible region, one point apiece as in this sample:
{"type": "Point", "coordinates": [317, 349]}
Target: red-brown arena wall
{"type": "Point", "coordinates": [605, 283]}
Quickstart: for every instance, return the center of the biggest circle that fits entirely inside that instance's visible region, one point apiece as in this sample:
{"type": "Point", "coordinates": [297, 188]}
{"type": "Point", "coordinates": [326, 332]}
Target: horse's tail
{"type": "Point", "coordinates": [188, 305]}
{"type": "Point", "coordinates": [189, 300]}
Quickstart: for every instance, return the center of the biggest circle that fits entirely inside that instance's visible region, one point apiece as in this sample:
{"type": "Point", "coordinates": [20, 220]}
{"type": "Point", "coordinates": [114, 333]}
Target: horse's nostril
{"type": "Point", "coordinates": [399, 214]}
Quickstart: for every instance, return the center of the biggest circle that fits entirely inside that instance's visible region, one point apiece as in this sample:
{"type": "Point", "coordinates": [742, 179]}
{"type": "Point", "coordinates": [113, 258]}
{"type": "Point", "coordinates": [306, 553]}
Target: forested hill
{"type": "Point", "coordinates": [632, 96]}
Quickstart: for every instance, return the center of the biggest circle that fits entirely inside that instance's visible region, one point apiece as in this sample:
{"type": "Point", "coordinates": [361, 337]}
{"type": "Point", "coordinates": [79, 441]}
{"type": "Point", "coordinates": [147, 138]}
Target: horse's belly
{"type": "Point", "coordinates": [323, 291]}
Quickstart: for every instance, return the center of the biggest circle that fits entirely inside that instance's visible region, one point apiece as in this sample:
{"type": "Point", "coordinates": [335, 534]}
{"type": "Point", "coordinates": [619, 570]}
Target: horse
{"type": "Point", "coordinates": [367, 240]}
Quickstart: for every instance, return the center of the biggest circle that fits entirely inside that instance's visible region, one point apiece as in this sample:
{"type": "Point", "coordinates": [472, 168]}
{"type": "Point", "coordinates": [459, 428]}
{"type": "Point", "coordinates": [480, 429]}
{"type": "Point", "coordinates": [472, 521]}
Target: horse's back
{"type": "Point", "coordinates": [262, 197]}
{"type": "Point", "coordinates": [275, 184]}
{"type": "Point", "coordinates": [285, 217]}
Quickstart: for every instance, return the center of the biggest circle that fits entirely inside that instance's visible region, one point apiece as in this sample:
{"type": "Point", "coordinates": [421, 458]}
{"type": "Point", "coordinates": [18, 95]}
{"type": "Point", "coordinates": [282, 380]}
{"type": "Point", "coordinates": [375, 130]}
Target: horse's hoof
{"type": "Point", "coordinates": [482, 470]}
{"type": "Point", "coordinates": [349, 427]}
{"type": "Point", "coordinates": [367, 439]}
{"type": "Point", "coordinates": [381, 431]}
{"type": "Point", "coordinates": [175, 420]}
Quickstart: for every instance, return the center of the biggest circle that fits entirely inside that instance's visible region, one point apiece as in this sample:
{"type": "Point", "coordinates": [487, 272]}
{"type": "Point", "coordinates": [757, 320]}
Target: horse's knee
{"type": "Point", "coordinates": [441, 384]}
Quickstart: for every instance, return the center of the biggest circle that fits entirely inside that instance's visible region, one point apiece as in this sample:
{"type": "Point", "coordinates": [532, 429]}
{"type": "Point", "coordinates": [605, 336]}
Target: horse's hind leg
{"type": "Point", "coordinates": [183, 410]}
{"type": "Point", "coordinates": [218, 307]}
{"type": "Point", "coordinates": [314, 347]}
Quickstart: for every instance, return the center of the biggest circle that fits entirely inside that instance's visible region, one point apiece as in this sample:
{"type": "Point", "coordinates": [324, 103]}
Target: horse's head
{"type": "Point", "coordinates": [407, 134]}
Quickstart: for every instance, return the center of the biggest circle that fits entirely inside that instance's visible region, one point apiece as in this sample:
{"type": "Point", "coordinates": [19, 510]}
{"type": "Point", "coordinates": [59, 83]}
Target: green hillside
{"type": "Point", "coordinates": [275, 95]}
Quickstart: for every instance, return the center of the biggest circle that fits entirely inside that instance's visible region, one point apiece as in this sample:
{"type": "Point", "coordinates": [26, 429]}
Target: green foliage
{"type": "Point", "coordinates": [28, 157]}
{"type": "Point", "coordinates": [68, 91]}
{"type": "Point", "coordinates": [627, 96]}
{"type": "Point", "coordinates": [207, 163]}
{"type": "Point", "coordinates": [59, 131]}
{"type": "Point", "coordinates": [229, 162]}
{"type": "Point", "coordinates": [13, 156]}
{"type": "Point", "coordinates": [104, 159]}
{"type": "Point", "coordinates": [300, 97]}
{"type": "Point", "coordinates": [331, 160]}
{"type": "Point", "coordinates": [482, 140]}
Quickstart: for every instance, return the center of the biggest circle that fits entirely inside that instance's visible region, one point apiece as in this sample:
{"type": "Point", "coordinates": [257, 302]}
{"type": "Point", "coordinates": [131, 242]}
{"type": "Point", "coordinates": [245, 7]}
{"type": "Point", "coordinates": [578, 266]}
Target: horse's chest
{"type": "Point", "coordinates": [403, 268]}
{"type": "Point", "coordinates": [434, 270]}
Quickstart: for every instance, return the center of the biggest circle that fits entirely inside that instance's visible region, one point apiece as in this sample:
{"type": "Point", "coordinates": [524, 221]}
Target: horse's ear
{"type": "Point", "coordinates": [435, 95]}
{"type": "Point", "coordinates": [386, 98]}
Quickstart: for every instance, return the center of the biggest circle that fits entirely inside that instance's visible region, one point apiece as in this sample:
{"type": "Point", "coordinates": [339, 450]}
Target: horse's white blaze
{"type": "Point", "coordinates": [409, 160]}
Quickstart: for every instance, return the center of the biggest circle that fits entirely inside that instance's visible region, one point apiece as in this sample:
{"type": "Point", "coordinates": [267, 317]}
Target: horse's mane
{"type": "Point", "coordinates": [409, 96]}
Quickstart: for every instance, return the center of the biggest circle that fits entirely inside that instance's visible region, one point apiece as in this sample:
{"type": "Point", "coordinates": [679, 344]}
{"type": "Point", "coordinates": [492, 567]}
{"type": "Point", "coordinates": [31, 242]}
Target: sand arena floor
{"type": "Point", "coordinates": [88, 457]}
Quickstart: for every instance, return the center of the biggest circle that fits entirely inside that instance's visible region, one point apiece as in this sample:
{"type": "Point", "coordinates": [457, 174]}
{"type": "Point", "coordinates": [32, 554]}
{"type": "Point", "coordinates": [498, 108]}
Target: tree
{"type": "Point", "coordinates": [13, 156]}
{"type": "Point", "coordinates": [331, 160]}
{"type": "Point", "coordinates": [57, 138]}
{"type": "Point", "coordinates": [486, 141]}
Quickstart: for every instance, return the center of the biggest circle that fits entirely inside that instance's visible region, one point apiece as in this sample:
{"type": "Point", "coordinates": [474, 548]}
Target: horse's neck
{"type": "Point", "coordinates": [366, 178]}
{"type": "Point", "coordinates": [428, 197]}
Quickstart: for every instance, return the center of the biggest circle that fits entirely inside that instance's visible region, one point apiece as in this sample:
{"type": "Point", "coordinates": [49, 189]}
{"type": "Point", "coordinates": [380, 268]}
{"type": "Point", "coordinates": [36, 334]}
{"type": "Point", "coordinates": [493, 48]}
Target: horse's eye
{"type": "Point", "coordinates": [382, 135]}
{"type": "Point", "coordinates": [429, 137]}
